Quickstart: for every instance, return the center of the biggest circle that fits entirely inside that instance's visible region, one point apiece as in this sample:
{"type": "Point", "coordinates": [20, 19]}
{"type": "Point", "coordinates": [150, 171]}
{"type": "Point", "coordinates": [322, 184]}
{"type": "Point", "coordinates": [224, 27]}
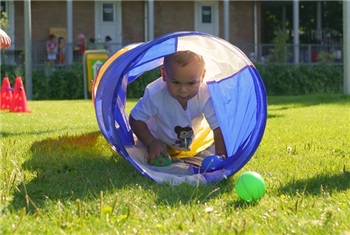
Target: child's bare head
{"type": "Point", "coordinates": [182, 59]}
{"type": "Point", "coordinates": [183, 72]}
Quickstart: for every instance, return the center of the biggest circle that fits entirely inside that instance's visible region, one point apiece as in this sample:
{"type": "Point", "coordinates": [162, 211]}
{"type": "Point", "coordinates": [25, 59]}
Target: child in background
{"type": "Point", "coordinates": [107, 44]}
{"type": "Point", "coordinates": [81, 43]}
{"type": "Point", "coordinates": [61, 50]}
{"type": "Point", "coordinates": [51, 49]}
{"type": "Point", "coordinates": [91, 44]}
{"type": "Point", "coordinates": [175, 113]}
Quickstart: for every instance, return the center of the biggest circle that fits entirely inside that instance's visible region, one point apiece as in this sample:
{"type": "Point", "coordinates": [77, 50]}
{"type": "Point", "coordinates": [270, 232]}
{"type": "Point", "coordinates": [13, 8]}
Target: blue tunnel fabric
{"type": "Point", "coordinates": [234, 83]}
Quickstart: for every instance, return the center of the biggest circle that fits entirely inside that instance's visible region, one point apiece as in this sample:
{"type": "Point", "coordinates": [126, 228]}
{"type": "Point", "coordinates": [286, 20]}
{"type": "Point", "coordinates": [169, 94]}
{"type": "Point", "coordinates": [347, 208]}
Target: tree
{"type": "Point", "coordinates": [280, 52]}
{"type": "Point", "coordinates": [4, 22]}
{"type": "Point", "coordinates": [332, 20]}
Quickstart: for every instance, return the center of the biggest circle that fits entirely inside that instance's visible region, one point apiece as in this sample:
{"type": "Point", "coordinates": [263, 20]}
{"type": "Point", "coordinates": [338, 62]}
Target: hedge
{"type": "Point", "coordinates": [51, 83]}
{"type": "Point", "coordinates": [55, 83]}
{"type": "Point", "coordinates": [288, 79]}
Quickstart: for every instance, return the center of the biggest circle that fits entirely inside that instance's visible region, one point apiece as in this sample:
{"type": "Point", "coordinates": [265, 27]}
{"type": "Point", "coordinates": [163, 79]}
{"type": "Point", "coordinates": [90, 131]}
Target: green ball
{"type": "Point", "coordinates": [250, 186]}
{"type": "Point", "coordinates": [166, 161]}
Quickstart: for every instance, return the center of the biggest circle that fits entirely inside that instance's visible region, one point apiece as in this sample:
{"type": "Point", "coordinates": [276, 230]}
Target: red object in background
{"type": "Point", "coordinates": [19, 98]}
{"type": "Point", "coordinates": [6, 94]}
{"type": "Point", "coordinates": [314, 56]}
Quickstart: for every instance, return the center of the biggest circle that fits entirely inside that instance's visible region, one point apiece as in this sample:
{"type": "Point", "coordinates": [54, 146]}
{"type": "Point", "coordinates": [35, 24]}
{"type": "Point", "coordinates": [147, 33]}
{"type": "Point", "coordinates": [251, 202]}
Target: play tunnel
{"type": "Point", "coordinates": [234, 84]}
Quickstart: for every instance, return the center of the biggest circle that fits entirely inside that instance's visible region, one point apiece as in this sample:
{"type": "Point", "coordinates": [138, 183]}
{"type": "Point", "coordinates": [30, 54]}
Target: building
{"type": "Point", "coordinates": [243, 23]}
{"type": "Point", "coordinates": [131, 21]}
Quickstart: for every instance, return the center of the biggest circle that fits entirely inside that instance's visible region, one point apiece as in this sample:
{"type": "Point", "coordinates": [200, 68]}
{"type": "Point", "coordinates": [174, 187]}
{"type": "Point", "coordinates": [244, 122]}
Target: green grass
{"type": "Point", "coordinates": [59, 176]}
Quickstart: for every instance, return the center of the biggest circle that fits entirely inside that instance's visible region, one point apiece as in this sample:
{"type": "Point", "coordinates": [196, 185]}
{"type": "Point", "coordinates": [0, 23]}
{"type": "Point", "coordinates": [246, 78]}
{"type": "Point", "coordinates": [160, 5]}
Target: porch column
{"type": "Point", "coordinates": [70, 42]}
{"type": "Point", "coordinates": [28, 48]}
{"type": "Point", "coordinates": [319, 21]}
{"type": "Point", "coordinates": [346, 46]}
{"type": "Point", "coordinates": [255, 30]}
{"type": "Point", "coordinates": [284, 10]}
{"type": "Point", "coordinates": [296, 30]}
{"type": "Point", "coordinates": [227, 20]}
{"type": "Point", "coordinates": [150, 12]}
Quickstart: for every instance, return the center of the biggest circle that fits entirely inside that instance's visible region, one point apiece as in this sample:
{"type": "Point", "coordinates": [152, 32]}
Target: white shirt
{"type": "Point", "coordinates": [166, 118]}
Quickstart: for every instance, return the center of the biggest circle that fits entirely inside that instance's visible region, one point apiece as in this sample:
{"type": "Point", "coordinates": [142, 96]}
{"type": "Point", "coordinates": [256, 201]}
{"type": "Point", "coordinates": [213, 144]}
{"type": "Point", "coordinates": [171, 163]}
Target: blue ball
{"type": "Point", "coordinates": [210, 163]}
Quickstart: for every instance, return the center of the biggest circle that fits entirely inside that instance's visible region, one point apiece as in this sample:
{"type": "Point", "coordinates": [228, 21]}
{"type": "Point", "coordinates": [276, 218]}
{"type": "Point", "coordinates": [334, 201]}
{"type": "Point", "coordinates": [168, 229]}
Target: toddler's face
{"type": "Point", "coordinates": [183, 82]}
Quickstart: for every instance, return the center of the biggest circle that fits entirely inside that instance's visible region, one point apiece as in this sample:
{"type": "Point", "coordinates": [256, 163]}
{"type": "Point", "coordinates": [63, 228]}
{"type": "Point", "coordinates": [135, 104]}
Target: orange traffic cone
{"type": "Point", "coordinates": [6, 94]}
{"type": "Point", "coordinates": [19, 99]}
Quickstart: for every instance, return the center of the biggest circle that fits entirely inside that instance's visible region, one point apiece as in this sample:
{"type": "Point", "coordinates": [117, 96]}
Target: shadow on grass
{"type": "Point", "coordinates": [80, 167]}
{"type": "Point", "coordinates": [19, 132]}
{"type": "Point", "coordinates": [319, 184]}
{"type": "Point", "coordinates": [308, 100]}
{"type": "Point", "coordinates": [269, 116]}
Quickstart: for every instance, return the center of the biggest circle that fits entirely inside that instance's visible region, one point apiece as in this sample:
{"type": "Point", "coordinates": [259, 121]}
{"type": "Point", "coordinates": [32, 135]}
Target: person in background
{"type": "Point", "coordinates": [51, 48]}
{"type": "Point", "coordinates": [107, 44]}
{"type": "Point", "coordinates": [91, 44]}
{"type": "Point", "coordinates": [5, 40]}
{"type": "Point", "coordinates": [61, 50]}
{"type": "Point", "coordinates": [81, 43]}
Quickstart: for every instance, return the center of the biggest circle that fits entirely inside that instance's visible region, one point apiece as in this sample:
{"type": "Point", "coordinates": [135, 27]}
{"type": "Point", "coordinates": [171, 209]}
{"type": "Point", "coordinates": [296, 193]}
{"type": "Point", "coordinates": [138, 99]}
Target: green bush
{"type": "Point", "coordinates": [137, 87]}
{"type": "Point", "coordinates": [288, 79]}
{"type": "Point", "coordinates": [58, 83]}
{"type": "Point", "coordinates": [40, 85]}
{"type": "Point", "coordinates": [11, 71]}
{"type": "Point", "coordinates": [279, 79]}
{"type": "Point", "coordinates": [51, 83]}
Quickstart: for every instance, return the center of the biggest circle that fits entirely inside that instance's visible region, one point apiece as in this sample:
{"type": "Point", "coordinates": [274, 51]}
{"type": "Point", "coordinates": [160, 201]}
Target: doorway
{"type": "Point", "coordinates": [207, 17]}
{"type": "Point", "coordinates": [108, 23]}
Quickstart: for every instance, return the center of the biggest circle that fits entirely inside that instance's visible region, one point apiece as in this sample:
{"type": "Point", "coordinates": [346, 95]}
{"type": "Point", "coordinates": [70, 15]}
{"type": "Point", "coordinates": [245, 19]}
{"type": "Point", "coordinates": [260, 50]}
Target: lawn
{"type": "Point", "coordinates": [60, 176]}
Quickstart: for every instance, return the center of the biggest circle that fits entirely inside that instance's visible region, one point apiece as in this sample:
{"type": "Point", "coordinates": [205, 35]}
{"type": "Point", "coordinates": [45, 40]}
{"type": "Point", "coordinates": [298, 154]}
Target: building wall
{"type": "Point", "coordinates": [241, 22]}
{"type": "Point", "coordinates": [83, 19]}
{"type": "Point", "coordinates": [171, 16]}
{"type": "Point", "coordinates": [53, 14]}
{"type": "Point", "coordinates": [46, 15]}
{"type": "Point", "coordinates": [133, 16]}
{"type": "Point", "coordinates": [242, 25]}
{"type": "Point", "coordinates": [19, 23]}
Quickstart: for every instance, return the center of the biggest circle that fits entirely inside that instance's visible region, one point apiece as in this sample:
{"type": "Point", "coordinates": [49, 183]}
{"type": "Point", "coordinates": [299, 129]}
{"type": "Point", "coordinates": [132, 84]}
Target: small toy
{"type": "Point", "coordinates": [250, 186]}
{"type": "Point", "coordinates": [210, 163]}
{"type": "Point", "coordinates": [166, 160]}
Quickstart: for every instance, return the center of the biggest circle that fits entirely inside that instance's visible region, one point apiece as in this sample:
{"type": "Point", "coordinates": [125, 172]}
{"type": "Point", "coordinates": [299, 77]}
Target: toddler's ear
{"type": "Point", "coordinates": [162, 72]}
{"type": "Point", "coordinates": [203, 74]}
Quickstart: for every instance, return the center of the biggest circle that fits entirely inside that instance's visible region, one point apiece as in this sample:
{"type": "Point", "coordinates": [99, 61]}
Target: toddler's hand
{"type": "Point", "coordinates": [155, 150]}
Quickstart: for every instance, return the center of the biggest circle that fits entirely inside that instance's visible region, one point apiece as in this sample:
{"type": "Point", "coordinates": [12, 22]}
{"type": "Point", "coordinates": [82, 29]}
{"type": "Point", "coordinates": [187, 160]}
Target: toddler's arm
{"type": "Point", "coordinates": [220, 148]}
{"type": "Point", "coordinates": [153, 145]}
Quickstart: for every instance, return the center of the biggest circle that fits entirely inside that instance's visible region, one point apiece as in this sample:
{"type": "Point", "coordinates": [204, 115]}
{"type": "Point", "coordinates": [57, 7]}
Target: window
{"type": "Point", "coordinates": [107, 12]}
{"type": "Point", "coordinates": [206, 14]}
